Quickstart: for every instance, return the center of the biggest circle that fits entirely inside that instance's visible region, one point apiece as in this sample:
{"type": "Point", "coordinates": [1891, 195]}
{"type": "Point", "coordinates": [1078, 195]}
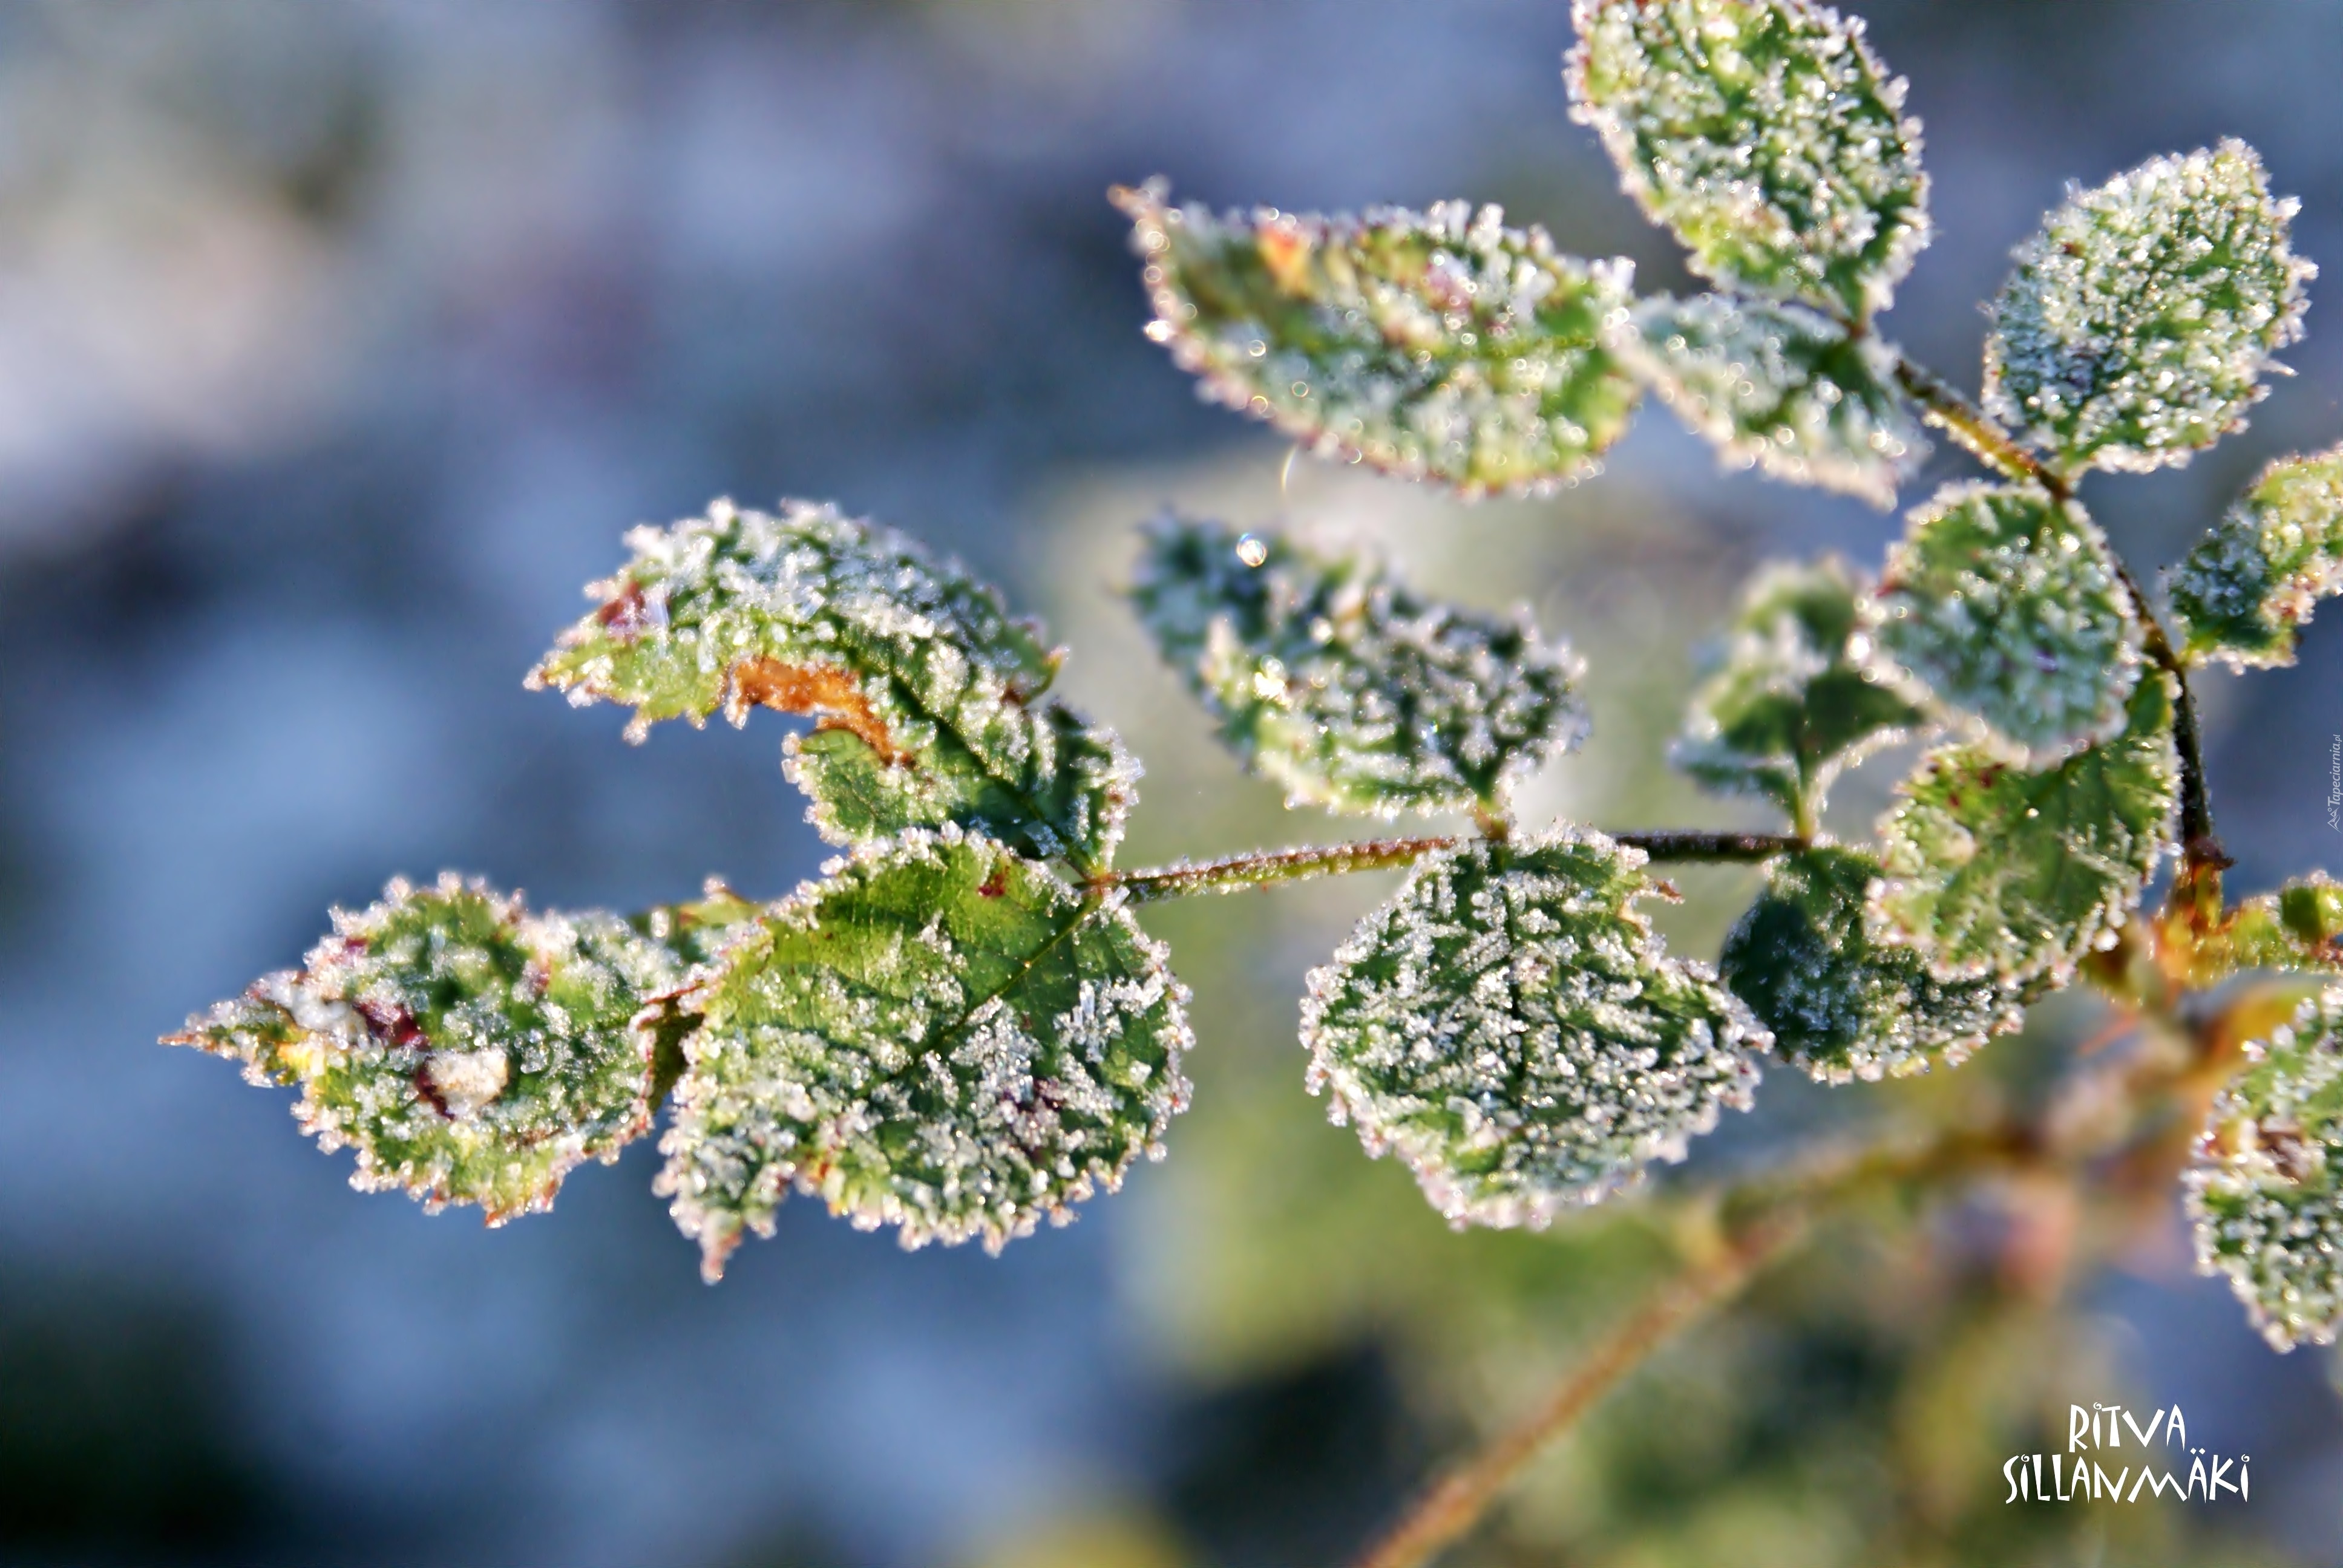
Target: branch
{"type": "Point", "coordinates": [1781, 1208]}
{"type": "Point", "coordinates": [1456, 1504]}
{"type": "Point", "coordinates": [1267, 868]}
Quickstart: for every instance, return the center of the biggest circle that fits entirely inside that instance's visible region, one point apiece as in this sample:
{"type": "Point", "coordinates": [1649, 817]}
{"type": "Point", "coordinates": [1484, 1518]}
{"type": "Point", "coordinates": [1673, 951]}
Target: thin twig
{"type": "Point", "coordinates": [1459, 1501]}
{"type": "Point", "coordinates": [1984, 440]}
{"type": "Point", "coordinates": [1679, 844]}
{"type": "Point", "coordinates": [1262, 868]}
{"type": "Point", "coordinates": [1267, 868]}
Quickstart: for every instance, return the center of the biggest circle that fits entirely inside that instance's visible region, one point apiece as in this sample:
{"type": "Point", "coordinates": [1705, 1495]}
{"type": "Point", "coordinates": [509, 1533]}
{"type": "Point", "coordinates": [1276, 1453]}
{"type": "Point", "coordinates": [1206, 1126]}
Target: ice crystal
{"type": "Point", "coordinates": [1438, 345]}
{"type": "Point", "coordinates": [1337, 682]}
{"type": "Point", "coordinates": [1840, 1006]}
{"type": "Point", "coordinates": [2265, 1192]}
{"type": "Point", "coordinates": [2140, 321]}
{"type": "Point", "coordinates": [1509, 1024]}
{"type": "Point", "coordinates": [1796, 692]}
{"type": "Point", "coordinates": [471, 1051]}
{"type": "Point", "coordinates": [1765, 134]}
{"type": "Point", "coordinates": [941, 1035]}
{"type": "Point", "coordinates": [2260, 572]}
{"type": "Point", "coordinates": [1781, 387]}
{"type": "Point", "coordinates": [1990, 870]}
{"type": "Point", "coordinates": [928, 698]}
{"type": "Point", "coordinates": [2006, 603]}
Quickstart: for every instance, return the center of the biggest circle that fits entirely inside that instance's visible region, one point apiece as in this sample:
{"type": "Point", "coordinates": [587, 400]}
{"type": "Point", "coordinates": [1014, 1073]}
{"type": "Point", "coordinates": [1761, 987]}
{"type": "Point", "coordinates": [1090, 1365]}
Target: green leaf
{"type": "Point", "coordinates": [941, 1036]}
{"type": "Point", "coordinates": [1781, 387]}
{"type": "Point", "coordinates": [1796, 692]}
{"type": "Point", "coordinates": [1841, 1006]}
{"type": "Point", "coordinates": [1336, 681]}
{"type": "Point", "coordinates": [2258, 574]}
{"type": "Point", "coordinates": [2266, 1188]}
{"type": "Point", "coordinates": [928, 698]}
{"type": "Point", "coordinates": [471, 1052]}
{"type": "Point", "coordinates": [2300, 928]}
{"type": "Point", "coordinates": [1509, 1024]}
{"type": "Point", "coordinates": [1767, 134]}
{"type": "Point", "coordinates": [2006, 603]}
{"type": "Point", "coordinates": [2141, 320]}
{"type": "Point", "coordinates": [1437, 345]}
{"type": "Point", "coordinates": [1994, 871]}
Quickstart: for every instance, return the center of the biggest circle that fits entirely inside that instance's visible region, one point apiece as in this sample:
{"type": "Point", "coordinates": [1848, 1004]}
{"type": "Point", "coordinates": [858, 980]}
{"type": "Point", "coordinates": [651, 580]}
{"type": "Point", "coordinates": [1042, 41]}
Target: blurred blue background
{"type": "Point", "coordinates": [340, 340]}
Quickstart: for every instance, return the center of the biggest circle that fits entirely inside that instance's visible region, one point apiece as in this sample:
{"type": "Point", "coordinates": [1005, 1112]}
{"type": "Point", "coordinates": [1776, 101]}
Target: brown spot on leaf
{"type": "Point", "coordinates": [2294, 1154]}
{"type": "Point", "coordinates": [391, 1022]}
{"type": "Point", "coordinates": [994, 885]}
{"type": "Point", "coordinates": [831, 694]}
{"type": "Point", "coordinates": [1285, 252]}
{"type": "Point", "coordinates": [626, 616]}
{"type": "Point", "coordinates": [431, 1096]}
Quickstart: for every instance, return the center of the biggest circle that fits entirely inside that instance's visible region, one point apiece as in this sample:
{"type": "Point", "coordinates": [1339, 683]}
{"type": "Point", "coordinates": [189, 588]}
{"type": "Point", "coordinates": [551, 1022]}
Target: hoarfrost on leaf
{"type": "Point", "coordinates": [930, 700]}
{"type": "Point", "coordinates": [2006, 603]}
{"type": "Point", "coordinates": [1992, 871]}
{"type": "Point", "coordinates": [1765, 134]}
{"type": "Point", "coordinates": [2141, 320]}
{"type": "Point", "coordinates": [1840, 1006]}
{"type": "Point", "coordinates": [1439, 345]}
{"type": "Point", "coordinates": [471, 1051]}
{"type": "Point", "coordinates": [941, 1035]}
{"type": "Point", "coordinates": [1336, 681]}
{"type": "Point", "coordinates": [2265, 1192]}
{"type": "Point", "coordinates": [1780, 387]}
{"type": "Point", "coordinates": [2298, 928]}
{"type": "Point", "coordinates": [2258, 574]}
{"type": "Point", "coordinates": [1797, 691]}
{"type": "Point", "coordinates": [1509, 1024]}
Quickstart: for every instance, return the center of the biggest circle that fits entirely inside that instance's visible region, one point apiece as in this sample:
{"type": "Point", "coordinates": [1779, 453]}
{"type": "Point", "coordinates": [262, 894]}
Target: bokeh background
{"type": "Point", "coordinates": [339, 340]}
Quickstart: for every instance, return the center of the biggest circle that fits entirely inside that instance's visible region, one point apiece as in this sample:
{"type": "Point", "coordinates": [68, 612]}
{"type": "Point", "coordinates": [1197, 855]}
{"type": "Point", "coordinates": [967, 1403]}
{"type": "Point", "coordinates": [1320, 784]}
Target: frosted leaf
{"type": "Point", "coordinates": [2140, 321]}
{"type": "Point", "coordinates": [471, 1051]}
{"type": "Point", "coordinates": [941, 1036]}
{"type": "Point", "coordinates": [1990, 870]}
{"type": "Point", "coordinates": [1781, 387]}
{"type": "Point", "coordinates": [2265, 1192]}
{"type": "Point", "coordinates": [1796, 692]}
{"type": "Point", "coordinates": [2298, 928]}
{"type": "Point", "coordinates": [928, 697]}
{"type": "Point", "coordinates": [1767, 134]}
{"type": "Point", "coordinates": [1840, 1006]}
{"type": "Point", "coordinates": [2006, 603]}
{"type": "Point", "coordinates": [1337, 682]}
{"type": "Point", "coordinates": [1511, 1027]}
{"type": "Point", "coordinates": [2259, 573]}
{"type": "Point", "coordinates": [1439, 345]}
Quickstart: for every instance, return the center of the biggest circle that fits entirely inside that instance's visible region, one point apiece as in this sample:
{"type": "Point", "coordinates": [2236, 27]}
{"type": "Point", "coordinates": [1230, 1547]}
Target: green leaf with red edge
{"type": "Point", "coordinates": [1439, 345]}
{"type": "Point", "coordinates": [2252, 581]}
{"type": "Point", "coordinates": [941, 1035]}
{"type": "Point", "coordinates": [2265, 1192]}
{"type": "Point", "coordinates": [1765, 134]}
{"type": "Point", "coordinates": [931, 699]}
{"type": "Point", "coordinates": [1509, 1025]}
{"type": "Point", "coordinates": [471, 1051]}
{"type": "Point", "coordinates": [2141, 322]}
{"type": "Point", "coordinates": [1990, 870]}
